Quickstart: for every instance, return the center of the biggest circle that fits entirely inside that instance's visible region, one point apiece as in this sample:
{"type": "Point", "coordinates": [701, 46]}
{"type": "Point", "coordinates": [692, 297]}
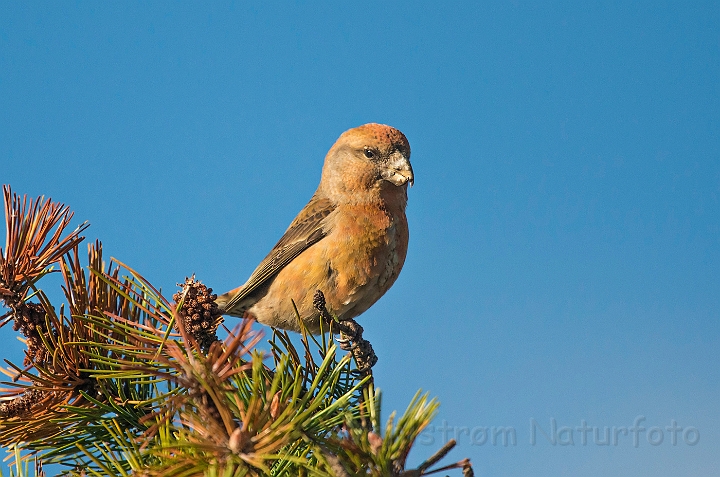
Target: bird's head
{"type": "Point", "coordinates": [368, 157]}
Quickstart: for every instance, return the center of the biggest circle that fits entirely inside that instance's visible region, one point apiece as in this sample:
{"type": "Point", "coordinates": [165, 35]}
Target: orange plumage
{"type": "Point", "coordinates": [350, 240]}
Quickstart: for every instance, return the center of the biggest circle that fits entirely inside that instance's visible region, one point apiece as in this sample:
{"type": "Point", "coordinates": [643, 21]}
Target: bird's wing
{"type": "Point", "coordinates": [307, 229]}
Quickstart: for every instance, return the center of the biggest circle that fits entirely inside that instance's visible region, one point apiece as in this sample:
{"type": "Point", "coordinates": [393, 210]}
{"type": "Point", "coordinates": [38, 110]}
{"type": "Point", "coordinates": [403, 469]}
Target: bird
{"type": "Point", "coordinates": [349, 242]}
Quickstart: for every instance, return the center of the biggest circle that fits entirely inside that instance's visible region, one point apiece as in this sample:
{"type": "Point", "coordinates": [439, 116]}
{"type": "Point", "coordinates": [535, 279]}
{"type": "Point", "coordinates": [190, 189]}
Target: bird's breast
{"type": "Point", "coordinates": [368, 252]}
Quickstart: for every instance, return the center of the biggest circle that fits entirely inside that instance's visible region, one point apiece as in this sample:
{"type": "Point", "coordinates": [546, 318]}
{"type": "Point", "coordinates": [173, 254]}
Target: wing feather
{"type": "Point", "coordinates": [308, 228]}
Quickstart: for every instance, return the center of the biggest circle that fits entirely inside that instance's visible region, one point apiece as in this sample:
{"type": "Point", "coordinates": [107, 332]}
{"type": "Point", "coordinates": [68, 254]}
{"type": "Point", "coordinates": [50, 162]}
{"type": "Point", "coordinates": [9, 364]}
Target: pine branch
{"type": "Point", "coordinates": [122, 381]}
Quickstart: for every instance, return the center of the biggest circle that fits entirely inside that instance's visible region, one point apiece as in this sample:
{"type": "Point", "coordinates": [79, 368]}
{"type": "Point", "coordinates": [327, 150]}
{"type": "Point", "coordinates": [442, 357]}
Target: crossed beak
{"type": "Point", "coordinates": [398, 171]}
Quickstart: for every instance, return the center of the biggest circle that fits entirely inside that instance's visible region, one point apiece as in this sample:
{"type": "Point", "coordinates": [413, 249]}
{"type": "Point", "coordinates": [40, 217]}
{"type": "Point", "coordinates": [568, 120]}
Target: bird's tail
{"type": "Point", "coordinates": [227, 301]}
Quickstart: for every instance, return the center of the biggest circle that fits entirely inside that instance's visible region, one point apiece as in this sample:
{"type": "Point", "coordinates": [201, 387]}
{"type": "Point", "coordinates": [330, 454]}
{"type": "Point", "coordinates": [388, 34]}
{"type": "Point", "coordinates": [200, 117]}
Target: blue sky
{"type": "Point", "coordinates": [564, 260]}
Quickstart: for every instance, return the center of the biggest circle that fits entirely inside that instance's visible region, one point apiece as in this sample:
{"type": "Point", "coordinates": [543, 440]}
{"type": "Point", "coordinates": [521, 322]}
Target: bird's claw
{"type": "Point", "coordinates": [350, 336]}
{"type": "Point", "coordinates": [346, 344]}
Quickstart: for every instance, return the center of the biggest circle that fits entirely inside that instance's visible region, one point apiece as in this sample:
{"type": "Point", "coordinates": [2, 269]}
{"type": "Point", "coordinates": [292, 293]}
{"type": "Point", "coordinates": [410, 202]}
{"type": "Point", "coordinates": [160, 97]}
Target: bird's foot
{"type": "Point", "coordinates": [351, 336]}
{"type": "Point", "coordinates": [346, 344]}
{"type": "Point", "coordinates": [351, 339]}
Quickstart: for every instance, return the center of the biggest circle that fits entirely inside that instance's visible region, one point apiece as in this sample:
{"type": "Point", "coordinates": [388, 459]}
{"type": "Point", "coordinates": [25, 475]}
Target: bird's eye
{"type": "Point", "coordinates": [369, 153]}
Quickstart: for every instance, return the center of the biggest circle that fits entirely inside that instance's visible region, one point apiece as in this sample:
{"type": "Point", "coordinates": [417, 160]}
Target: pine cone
{"type": "Point", "coordinates": [199, 312]}
{"type": "Point", "coordinates": [30, 321]}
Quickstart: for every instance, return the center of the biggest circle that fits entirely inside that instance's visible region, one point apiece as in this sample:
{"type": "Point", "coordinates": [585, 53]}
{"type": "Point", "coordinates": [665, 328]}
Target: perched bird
{"type": "Point", "coordinates": [349, 241]}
